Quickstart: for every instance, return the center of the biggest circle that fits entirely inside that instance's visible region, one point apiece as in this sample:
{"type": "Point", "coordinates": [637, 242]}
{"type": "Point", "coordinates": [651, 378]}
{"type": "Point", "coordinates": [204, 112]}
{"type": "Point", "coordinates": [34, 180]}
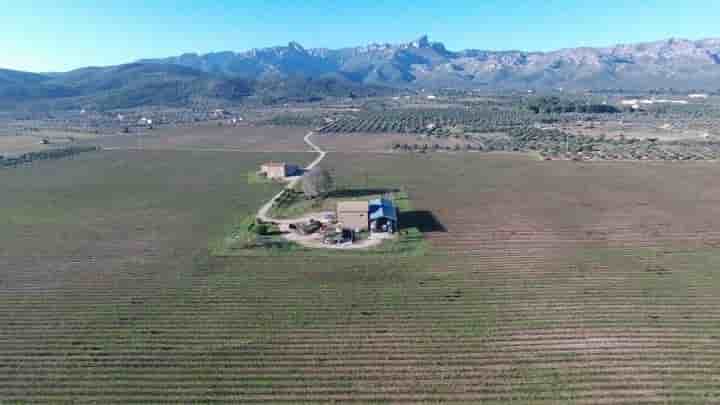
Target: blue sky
{"type": "Point", "coordinates": [45, 35]}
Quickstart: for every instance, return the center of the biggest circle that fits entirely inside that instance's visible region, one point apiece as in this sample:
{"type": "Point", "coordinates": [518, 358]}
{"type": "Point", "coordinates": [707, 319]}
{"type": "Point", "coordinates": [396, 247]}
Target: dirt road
{"type": "Point", "coordinates": [265, 209]}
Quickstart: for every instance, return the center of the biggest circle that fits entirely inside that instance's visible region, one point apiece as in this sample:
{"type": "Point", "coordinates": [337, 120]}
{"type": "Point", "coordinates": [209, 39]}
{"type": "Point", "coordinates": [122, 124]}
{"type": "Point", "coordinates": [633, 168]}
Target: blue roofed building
{"type": "Point", "coordinates": [383, 215]}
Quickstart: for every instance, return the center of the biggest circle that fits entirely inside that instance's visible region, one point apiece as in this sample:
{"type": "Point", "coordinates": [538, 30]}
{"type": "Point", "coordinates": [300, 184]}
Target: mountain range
{"type": "Point", "coordinates": [294, 72]}
{"type": "Point", "coordinates": [669, 63]}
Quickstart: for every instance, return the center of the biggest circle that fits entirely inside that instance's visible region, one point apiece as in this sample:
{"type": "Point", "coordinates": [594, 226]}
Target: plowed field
{"type": "Point", "coordinates": [547, 282]}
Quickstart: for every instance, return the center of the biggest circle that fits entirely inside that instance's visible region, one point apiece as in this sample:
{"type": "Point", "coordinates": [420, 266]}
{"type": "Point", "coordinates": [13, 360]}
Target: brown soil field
{"type": "Point", "coordinates": [13, 145]}
{"type": "Point", "coordinates": [210, 136]}
{"type": "Point", "coordinates": [545, 283]}
{"type": "Point", "coordinates": [500, 198]}
{"type": "Point", "coordinates": [82, 219]}
{"type": "Point", "coordinates": [596, 276]}
{"type": "Point", "coordinates": [370, 142]}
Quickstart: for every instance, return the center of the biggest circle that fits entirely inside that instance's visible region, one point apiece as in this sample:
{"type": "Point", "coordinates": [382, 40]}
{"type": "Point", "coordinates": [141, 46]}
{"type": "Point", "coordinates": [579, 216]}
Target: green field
{"type": "Point", "coordinates": [545, 282]}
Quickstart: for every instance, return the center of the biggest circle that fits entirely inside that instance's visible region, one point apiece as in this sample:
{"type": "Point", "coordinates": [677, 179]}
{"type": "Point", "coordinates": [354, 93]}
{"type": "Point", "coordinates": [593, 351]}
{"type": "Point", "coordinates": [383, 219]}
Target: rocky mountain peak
{"type": "Point", "coordinates": [295, 46]}
{"type": "Point", "coordinates": [422, 42]}
{"type": "Point", "coordinates": [693, 64]}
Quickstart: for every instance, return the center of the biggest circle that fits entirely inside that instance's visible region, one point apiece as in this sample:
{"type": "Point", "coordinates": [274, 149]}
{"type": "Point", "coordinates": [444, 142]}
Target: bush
{"type": "Point", "coordinates": [261, 229]}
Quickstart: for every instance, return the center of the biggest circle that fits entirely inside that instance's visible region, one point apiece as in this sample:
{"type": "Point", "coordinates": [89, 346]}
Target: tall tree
{"type": "Point", "coordinates": [317, 182]}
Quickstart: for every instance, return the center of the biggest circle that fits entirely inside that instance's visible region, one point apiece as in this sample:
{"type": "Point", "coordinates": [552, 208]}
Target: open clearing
{"type": "Point", "coordinates": [547, 282]}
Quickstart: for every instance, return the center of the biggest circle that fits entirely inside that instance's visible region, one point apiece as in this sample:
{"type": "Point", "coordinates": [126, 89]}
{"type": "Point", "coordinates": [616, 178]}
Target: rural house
{"type": "Point", "coordinates": [353, 215]}
{"type": "Point", "coordinates": [383, 215]}
{"type": "Point", "coordinates": [279, 170]}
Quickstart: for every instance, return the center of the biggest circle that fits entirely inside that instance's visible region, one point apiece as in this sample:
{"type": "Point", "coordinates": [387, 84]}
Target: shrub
{"type": "Point", "coordinates": [261, 229]}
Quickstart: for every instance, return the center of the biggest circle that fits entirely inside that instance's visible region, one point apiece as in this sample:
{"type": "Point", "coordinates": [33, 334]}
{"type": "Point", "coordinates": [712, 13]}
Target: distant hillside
{"type": "Point", "coordinates": [145, 84]}
{"type": "Point", "coordinates": [292, 72]}
{"type": "Point", "coordinates": [15, 77]}
{"type": "Point", "coordinates": [18, 87]}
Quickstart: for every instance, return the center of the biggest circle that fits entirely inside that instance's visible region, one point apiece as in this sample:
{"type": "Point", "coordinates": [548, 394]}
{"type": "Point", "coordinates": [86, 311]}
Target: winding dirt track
{"type": "Point", "coordinates": [263, 212]}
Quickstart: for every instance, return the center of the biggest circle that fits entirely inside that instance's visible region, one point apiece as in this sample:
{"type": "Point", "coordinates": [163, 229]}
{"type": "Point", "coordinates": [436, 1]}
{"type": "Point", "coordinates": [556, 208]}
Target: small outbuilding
{"type": "Point", "coordinates": [383, 215]}
{"type": "Point", "coordinates": [279, 170]}
{"type": "Point", "coordinates": [353, 215]}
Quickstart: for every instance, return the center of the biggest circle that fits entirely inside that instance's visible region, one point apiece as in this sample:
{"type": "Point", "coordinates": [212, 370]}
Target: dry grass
{"type": "Point", "coordinates": [213, 137]}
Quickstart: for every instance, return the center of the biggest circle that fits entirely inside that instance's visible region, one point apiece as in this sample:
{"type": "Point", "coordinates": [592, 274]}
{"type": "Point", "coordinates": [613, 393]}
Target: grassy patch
{"type": "Point", "coordinates": [245, 237]}
{"type": "Point", "coordinates": [254, 177]}
{"type": "Point", "coordinates": [293, 204]}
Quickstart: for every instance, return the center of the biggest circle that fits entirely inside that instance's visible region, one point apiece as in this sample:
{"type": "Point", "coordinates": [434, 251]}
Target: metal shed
{"type": "Point", "coordinates": [383, 215]}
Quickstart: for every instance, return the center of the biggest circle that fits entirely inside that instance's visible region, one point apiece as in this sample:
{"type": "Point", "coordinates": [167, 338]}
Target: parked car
{"type": "Point", "coordinates": [339, 238]}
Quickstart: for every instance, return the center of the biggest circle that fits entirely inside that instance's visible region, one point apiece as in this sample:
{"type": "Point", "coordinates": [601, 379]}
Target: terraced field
{"type": "Point", "coordinates": [547, 282]}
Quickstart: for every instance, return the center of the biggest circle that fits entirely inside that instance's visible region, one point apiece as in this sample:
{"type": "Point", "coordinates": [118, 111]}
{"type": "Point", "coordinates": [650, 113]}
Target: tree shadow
{"type": "Point", "coordinates": [424, 221]}
{"type": "Point", "coordinates": [360, 192]}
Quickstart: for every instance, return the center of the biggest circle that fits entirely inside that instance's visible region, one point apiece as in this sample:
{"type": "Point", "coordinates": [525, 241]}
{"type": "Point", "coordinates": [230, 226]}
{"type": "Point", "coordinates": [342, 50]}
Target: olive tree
{"type": "Point", "coordinates": [317, 182]}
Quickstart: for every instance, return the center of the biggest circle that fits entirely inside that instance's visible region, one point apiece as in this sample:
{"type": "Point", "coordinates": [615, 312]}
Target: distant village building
{"type": "Point", "coordinates": [279, 170]}
{"type": "Point", "coordinates": [219, 113]}
{"type": "Point", "coordinates": [353, 215]}
{"type": "Point", "coordinates": [634, 104]}
{"type": "Point", "coordinates": [666, 101]}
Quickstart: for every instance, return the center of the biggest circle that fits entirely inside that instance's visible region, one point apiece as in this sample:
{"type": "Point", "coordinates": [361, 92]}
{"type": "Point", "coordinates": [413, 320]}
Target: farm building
{"type": "Point", "coordinates": [379, 215]}
{"type": "Point", "coordinates": [353, 215]}
{"type": "Point", "coordinates": [145, 121]}
{"type": "Point", "coordinates": [279, 170]}
{"type": "Point", "coordinates": [219, 113]}
{"type": "Point", "coordinates": [383, 215]}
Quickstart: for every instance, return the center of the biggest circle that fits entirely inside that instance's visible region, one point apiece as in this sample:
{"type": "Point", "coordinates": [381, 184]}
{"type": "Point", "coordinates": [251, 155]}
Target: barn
{"type": "Point", "coordinates": [353, 215]}
{"type": "Point", "coordinates": [378, 215]}
{"type": "Point", "coordinates": [383, 215]}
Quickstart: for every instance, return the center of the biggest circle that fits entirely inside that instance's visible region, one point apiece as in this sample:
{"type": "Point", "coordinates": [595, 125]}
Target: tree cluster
{"type": "Point", "coordinates": [45, 155]}
{"type": "Point", "coordinates": [557, 105]}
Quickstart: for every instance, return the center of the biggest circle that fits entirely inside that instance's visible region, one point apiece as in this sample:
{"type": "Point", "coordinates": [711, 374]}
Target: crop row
{"type": "Point", "coordinates": [436, 122]}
